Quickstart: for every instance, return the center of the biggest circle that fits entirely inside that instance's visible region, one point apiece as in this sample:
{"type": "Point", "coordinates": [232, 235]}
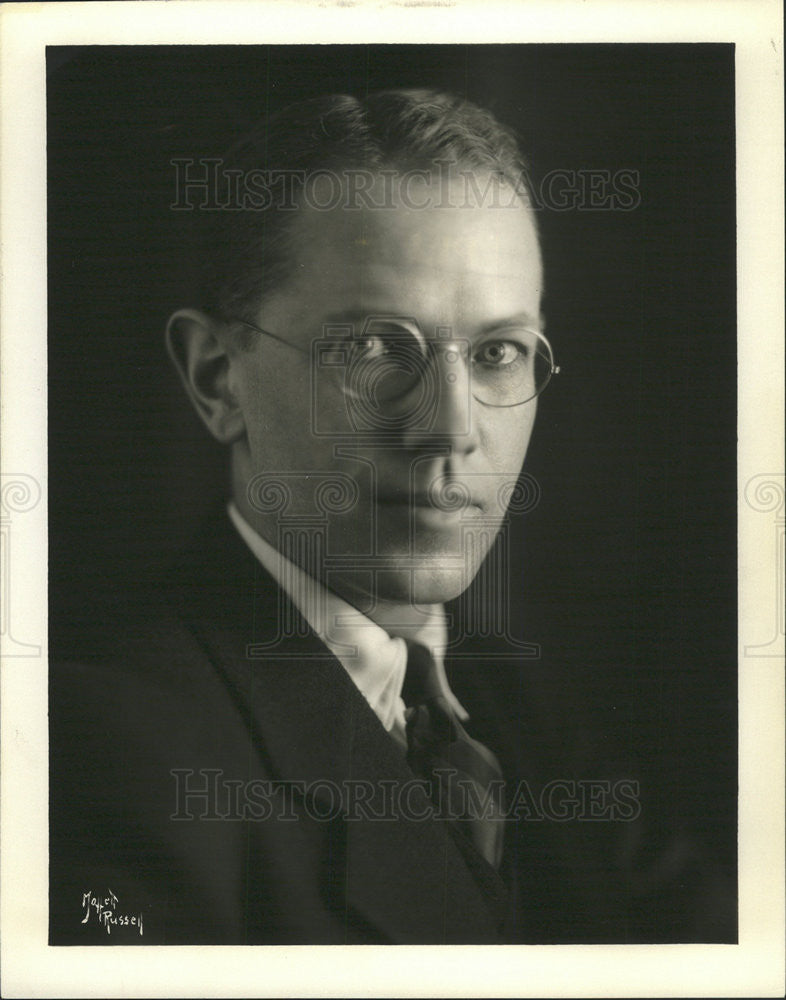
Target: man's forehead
{"type": "Point", "coordinates": [443, 262]}
{"type": "Point", "coordinates": [426, 223]}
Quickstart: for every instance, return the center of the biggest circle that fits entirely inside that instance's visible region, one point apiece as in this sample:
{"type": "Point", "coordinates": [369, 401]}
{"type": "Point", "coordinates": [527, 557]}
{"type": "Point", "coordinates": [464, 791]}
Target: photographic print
{"type": "Point", "coordinates": [374, 362]}
{"type": "Point", "coordinates": [392, 510]}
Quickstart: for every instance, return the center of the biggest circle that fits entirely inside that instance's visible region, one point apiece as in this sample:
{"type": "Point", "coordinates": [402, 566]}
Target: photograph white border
{"type": "Point", "coordinates": [754, 967]}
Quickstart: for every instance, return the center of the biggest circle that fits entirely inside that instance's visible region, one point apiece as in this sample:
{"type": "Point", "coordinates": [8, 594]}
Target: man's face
{"type": "Point", "coordinates": [426, 475]}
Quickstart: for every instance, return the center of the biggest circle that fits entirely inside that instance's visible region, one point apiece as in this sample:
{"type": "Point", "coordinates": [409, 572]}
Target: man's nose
{"type": "Point", "coordinates": [449, 419]}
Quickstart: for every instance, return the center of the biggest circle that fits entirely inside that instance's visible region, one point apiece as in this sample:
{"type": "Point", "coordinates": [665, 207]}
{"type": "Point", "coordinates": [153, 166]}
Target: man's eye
{"type": "Point", "coordinates": [386, 339]}
{"type": "Point", "coordinates": [501, 353]}
{"type": "Point", "coordinates": [369, 347]}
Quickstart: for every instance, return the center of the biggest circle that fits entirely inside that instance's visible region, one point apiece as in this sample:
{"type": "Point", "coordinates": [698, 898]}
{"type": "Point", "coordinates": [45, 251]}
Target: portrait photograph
{"type": "Point", "coordinates": [592, 650]}
{"type": "Point", "coordinates": [394, 504]}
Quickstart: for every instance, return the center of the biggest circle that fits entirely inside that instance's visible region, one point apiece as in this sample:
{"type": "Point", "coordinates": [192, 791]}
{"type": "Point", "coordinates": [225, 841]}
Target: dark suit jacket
{"type": "Point", "coordinates": [181, 694]}
{"type": "Point", "coordinates": [200, 684]}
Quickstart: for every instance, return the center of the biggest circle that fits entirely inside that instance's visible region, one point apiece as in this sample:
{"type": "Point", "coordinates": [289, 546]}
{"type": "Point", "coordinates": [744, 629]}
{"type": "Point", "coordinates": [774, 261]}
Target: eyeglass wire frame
{"type": "Point", "coordinates": [554, 369]}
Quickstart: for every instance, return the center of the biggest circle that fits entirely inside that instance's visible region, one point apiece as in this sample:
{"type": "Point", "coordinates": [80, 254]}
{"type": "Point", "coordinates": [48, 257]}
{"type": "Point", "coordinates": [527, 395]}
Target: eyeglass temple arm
{"type": "Point", "coordinates": [267, 333]}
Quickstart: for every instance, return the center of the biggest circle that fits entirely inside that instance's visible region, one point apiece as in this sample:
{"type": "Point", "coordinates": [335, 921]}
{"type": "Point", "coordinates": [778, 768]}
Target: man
{"type": "Point", "coordinates": [370, 354]}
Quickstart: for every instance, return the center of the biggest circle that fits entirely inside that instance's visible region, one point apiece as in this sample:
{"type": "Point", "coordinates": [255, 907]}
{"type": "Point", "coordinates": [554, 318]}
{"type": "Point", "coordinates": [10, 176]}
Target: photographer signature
{"type": "Point", "coordinates": [105, 909]}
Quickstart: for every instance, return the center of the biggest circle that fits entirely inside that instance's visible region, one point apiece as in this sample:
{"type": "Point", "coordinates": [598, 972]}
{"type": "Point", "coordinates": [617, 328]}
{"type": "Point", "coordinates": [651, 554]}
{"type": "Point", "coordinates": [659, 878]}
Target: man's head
{"type": "Point", "coordinates": [367, 340]}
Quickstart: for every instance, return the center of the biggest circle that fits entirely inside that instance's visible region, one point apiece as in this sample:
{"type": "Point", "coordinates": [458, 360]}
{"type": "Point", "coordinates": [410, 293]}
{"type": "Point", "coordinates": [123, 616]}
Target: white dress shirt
{"type": "Point", "coordinates": [375, 658]}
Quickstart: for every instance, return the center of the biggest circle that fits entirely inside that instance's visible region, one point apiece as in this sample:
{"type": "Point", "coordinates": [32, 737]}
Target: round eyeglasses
{"type": "Point", "coordinates": [508, 366]}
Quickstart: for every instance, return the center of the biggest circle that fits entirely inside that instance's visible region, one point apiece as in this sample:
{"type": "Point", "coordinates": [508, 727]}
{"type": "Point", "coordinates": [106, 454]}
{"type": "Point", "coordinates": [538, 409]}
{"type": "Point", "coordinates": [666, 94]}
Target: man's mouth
{"type": "Point", "coordinates": [450, 499]}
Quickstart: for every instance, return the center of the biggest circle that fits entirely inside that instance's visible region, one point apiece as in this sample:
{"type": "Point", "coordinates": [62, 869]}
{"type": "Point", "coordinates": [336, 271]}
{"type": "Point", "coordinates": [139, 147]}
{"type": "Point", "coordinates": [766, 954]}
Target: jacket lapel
{"type": "Point", "coordinates": [405, 873]}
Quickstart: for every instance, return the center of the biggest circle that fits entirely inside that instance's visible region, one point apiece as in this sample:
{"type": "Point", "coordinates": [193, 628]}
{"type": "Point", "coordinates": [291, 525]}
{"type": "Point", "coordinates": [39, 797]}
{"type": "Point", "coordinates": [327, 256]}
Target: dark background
{"type": "Point", "coordinates": [628, 578]}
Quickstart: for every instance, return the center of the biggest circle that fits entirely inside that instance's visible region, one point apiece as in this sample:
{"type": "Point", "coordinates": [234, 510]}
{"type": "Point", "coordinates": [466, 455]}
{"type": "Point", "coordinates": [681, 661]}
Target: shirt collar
{"type": "Point", "coordinates": [374, 657]}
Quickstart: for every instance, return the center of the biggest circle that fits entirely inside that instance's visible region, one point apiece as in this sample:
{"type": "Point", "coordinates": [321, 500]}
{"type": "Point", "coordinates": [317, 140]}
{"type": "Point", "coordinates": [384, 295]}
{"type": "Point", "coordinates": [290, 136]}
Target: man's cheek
{"type": "Point", "coordinates": [507, 440]}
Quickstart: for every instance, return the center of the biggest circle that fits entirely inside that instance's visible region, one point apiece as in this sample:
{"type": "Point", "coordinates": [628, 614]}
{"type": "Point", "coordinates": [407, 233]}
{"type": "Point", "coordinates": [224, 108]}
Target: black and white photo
{"type": "Point", "coordinates": [391, 503]}
{"type": "Point", "coordinates": [447, 653]}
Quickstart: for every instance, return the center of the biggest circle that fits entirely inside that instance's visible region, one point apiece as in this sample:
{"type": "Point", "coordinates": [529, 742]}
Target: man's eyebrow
{"type": "Point", "coordinates": [357, 315]}
{"type": "Point", "coordinates": [523, 318]}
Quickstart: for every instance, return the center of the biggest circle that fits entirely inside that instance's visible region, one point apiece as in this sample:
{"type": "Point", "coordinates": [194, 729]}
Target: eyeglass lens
{"type": "Point", "coordinates": [388, 360]}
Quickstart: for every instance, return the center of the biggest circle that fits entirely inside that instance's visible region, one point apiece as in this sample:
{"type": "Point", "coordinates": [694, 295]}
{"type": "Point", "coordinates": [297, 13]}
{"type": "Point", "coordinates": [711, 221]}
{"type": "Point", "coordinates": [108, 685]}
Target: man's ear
{"type": "Point", "coordinates": [202, 363]}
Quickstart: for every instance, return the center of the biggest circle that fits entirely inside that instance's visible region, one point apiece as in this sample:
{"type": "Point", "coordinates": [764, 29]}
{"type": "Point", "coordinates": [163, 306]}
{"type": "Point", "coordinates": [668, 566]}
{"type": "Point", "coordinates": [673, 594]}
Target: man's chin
{"type": "Point", "coordinates": [406, 586]}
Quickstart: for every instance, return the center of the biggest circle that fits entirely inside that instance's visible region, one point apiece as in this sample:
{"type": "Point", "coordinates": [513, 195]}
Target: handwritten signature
{"type": "Point", "coordinates": [107, 913]}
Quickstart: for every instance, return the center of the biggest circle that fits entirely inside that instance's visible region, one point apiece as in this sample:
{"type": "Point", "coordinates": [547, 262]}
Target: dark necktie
{"type": "Point", "coordinates": [465, 775]}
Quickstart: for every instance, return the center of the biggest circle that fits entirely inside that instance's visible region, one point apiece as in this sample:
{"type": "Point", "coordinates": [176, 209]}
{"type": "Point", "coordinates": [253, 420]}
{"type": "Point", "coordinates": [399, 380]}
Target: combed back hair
{"type": "Point", "coordinates": [248, 250]}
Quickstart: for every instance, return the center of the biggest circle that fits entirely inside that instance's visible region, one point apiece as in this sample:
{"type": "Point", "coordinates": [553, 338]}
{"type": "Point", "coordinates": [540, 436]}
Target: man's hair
{"type": "Point", "coordinates": [249, 249]}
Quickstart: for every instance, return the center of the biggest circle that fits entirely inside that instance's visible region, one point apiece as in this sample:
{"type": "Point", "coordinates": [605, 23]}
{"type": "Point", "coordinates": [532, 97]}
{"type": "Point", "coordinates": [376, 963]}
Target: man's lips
{"type": "Point", "coordinates": [449, 499]}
